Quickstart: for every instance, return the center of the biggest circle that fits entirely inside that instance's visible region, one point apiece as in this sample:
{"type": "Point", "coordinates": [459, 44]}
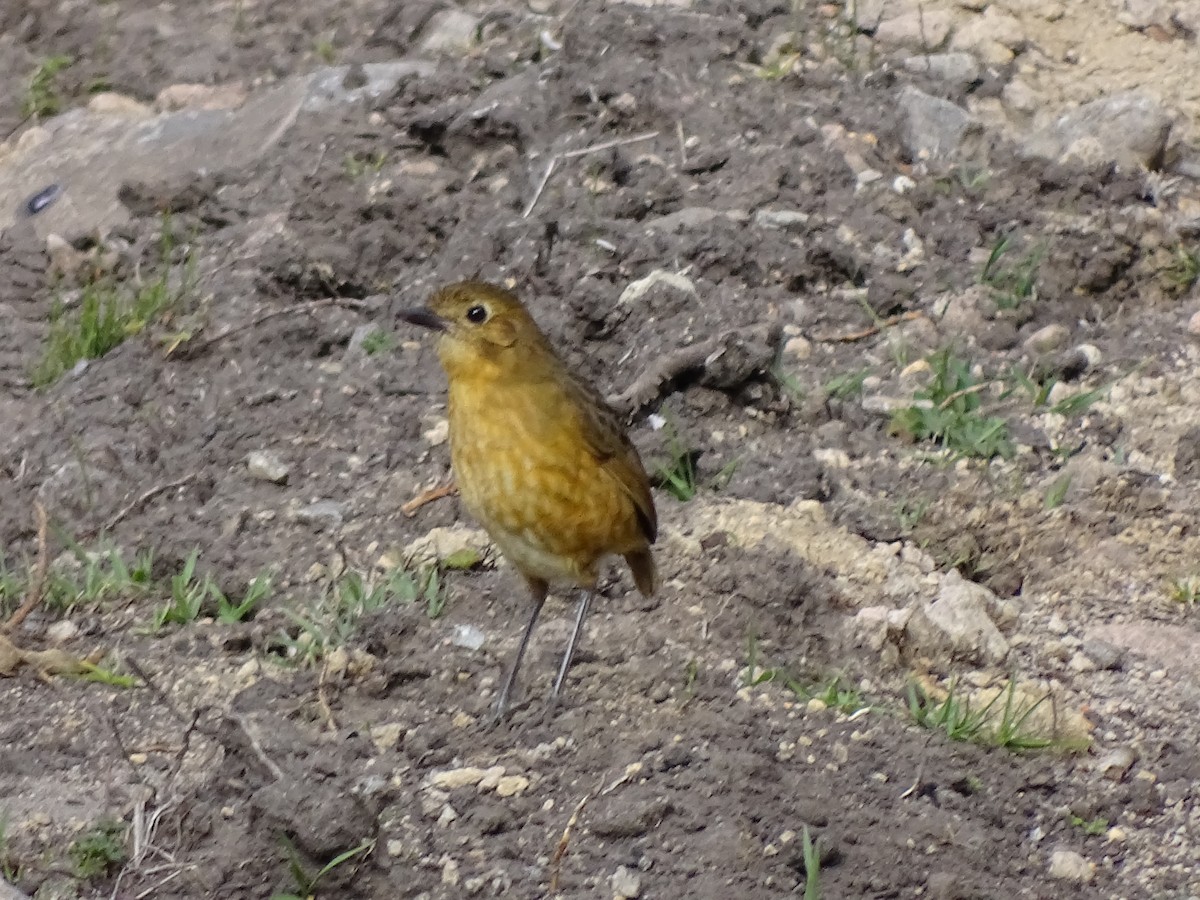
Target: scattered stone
{"type": "Point", "coordinates": [200, 96]}
{"type": "Point", "coordinates": [266, 466]}
{"type": "Point", "coordinates": [446, 816]}
{"type": "Point", "coordinates": [1115, 764]}
{"type": "Point", "coordinates": [1071, 866]}
{"type": "Point", "coordinates": [449, 871]}
{"type": "Point", "coordinates": [451, 30]}
{"type": "Point", "coordinates": [387, 737]}
{"type": "Point", "coordinates": [932, 127]}
{"type": "Point", "coordinates": [1193, 325]}
{"type": "Point", "coordinates": [468, 636]}
{"type": "Point", "coordinates": [108, 103]}
{"type": "Point", "coordinates": [957, 624]}
{"type": "Point", "coordinates": [993, 27]}
{"type": "Point", "coordinates": [437, 433]}
{"type": "Point", "coordinates": [511, 785]}
{"type": "Point", "coordinates": [1075, 362]}
{"type": "Point", "coordinates": [638, 289]}
{"type": "Point", "coordinates": [491, 778]}
{"type": "Point", "coordinates": [957, 68]}
{"type": "Point", "coordinates": [631, 822]}
{"type": "Point", "coordinates": [783, 219]}
{"type": "Point", "coordinates": [1047, 338]}
{"type": "Point", "coordinates": [1104, 654]}
{"type": "Point", "coordinates": [442, 543]}
{"type": "Point", "coordinates": [942, 886]}
{"type": "Point", "coordinates": [326, 513]}
{"type": "Point", "coordinates": [799, 348]}
{"type": "Point", "coordinates": [451, 779]}
{"type": "Point", "coordinates": [684, 219]}
{"type": "Point", "coordinates": [1129, 129]}
{"type": "Point", "coordinates": [61, 631]}
{"type": "Point", "coordinates": [626, 884]}
{"type": "Point", "coordinates": [926, 29]}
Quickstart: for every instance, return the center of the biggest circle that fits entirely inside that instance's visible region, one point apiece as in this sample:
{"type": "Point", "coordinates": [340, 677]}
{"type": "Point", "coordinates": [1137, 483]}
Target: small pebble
{"type": "Point", "coordinates": [266, 466]}
{"type": "Point", "coordinates": [1071, 866]}
{"type": "Point", "coordinates": [43, 198]}
{"type": "Point", "coordinates": [626, 883]}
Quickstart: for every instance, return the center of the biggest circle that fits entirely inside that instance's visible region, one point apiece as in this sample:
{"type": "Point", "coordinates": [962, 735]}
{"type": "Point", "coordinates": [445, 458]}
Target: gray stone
{"type": "Point", "coordinates": [323, 512]}
{"type": "Point", "coordinates": [638, 289]}
{"type": "Point", "coordinates": [959, 69]}
{"type": "Point", "coordinates": [1103, 654]}
{"type": "Point", "coordinates": [1129, 129]}
{"type": "Point", "coordinates": [92, 154]}
{"type": "Point", "coordinates": [933, 128]}
{"type": "Point", "coordinates": [449, 31]}
{"type": "Point", "coordinates": [1049, 337]}
{"type": "Point", "coordinates": [957, 624]}
{"type": "Point", "coordinates": [684, 220]}
{"type": "Point", "coordinates": [927, 29]}
{"type": "Point", "coordinates": [266, 466]}
{"type": "Point", "coordinates": [626, 883]}
{"type": "Point", "coordinates": [784, 219]}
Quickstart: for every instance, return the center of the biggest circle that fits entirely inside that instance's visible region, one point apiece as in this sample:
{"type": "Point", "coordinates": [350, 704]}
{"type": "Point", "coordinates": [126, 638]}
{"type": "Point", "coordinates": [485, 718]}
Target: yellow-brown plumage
{"type": "Point", "coordinates": [539, 458]}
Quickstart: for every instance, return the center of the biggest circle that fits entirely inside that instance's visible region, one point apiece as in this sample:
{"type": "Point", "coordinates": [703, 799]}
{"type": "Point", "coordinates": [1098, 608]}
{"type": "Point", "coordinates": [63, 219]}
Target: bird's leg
{"type": "Point", "coordinates": [585, 600]}
{"type": "Point", "coordinates": [538, 589]}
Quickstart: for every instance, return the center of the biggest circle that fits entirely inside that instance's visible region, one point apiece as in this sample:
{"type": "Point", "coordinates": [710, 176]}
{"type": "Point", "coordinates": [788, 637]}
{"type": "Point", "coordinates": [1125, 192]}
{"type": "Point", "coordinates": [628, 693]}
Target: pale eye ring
{"type": "Point", "coordinates": [477, 314]}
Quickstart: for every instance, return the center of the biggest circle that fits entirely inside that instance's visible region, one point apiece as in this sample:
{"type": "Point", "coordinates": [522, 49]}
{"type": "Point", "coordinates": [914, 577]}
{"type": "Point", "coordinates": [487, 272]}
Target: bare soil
{"type": "Point", "coordinates": [661, 759]}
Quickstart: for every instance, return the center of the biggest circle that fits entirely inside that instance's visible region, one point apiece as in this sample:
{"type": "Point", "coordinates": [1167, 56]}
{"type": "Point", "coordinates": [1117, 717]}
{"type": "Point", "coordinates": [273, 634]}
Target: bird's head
{"type": "Point", "coordinates": [479, 324]}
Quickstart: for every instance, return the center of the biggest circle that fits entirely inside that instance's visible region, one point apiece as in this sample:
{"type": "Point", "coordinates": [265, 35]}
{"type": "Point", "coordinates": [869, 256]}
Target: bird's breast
{"type": "Point", "coordinates": [526, 473]}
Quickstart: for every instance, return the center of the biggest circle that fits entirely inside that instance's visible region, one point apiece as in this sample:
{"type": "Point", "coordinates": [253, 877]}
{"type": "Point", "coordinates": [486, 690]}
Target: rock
{"type": "Point", "coordinates": [958, 624]}
{"type": "Point", "coordinates": [626, 883]}
{"type": "Point", "coordinates": [1167, 647]}
{"type": "Point", "coordinates": [926, 29]}
{"type": "Point", "coordinates": [1142, 14]}
{"type": "Point", "coordinates": [200, 96]}
{"type": "Point", "coordinates": [1077, 361]}
{"type": "Point", "coordinates": [684, 219]}
{"type": "Point", "coordinates": [327, 513]}
{"type": "Point", "coordinates": [956, 68]}
{"type": "Point", "coordinates": [993, 27]}
{"type": "Point", "coordinates": [783, 219]}
{"type": "Point", "coordinates": [1128, 128]}
{"type": "Point", "coordinates": [1047, 338]}
{"type": "Point", "coordinates": [65, 261]}
{"type": "Point", "coordinates": [108, 103]}
{"type": "Point", "coordinates": [449, 31]}
{"type": "Point", "coordinates": [1115, 764]}
{"type": "Point", "coordinates": [61, 631]}
{"type": "Point", "coordinates": [469, 637]}
{"type": "Point", "coordinates": [1071, 866]}
{"type": "Point", "coordinates": [451, 779]}
{"type": "Point", "coordinates": [511, 785]}
{"type": "Point", "coordinates": [932, 127]}
{"type": "Point", "coordinates": [1193, 325]}
{"type": "Point", "coordinates": [90, 154]}
{"type": "Point", "coordinates": [266, 466]}
{"type": "Point", "coordinates": [943, 886]}
{"type": "Point", "coordinates": [638, 289]}
{"type": "Point", "coordinates": [443, 543]}
{"type": "Point", "coordinates": [798, 347]}
{"type": "Point", "coordinates": [1103, 654]}
{"type": "Point", "coordinates": [387, 737]}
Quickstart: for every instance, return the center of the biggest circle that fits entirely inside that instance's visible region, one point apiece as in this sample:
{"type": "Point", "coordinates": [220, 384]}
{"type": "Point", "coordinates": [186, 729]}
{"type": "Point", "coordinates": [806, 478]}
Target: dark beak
{"type": "Point", "coordinates": [425, 317]}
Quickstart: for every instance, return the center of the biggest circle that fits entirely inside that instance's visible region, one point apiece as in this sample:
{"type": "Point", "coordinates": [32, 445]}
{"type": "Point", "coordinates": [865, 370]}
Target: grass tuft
{"type": "Point", "coordinates": [42, 98]}
{"type": "Point", "coordinates": [99, 850]}
{"type": "Point", "coordinates": [948, 411]}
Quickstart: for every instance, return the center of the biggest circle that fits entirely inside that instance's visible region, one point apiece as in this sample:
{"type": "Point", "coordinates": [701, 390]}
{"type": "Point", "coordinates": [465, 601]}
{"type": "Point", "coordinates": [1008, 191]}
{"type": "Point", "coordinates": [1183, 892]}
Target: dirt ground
{"type": "Point", "coordinates": [665, 773]}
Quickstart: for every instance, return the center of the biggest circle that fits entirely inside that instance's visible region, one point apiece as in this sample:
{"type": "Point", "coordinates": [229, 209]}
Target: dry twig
{"type": "Point", "coordinates": [434, 493]}
{"type": "Point", "coordinates": [575, 154]}
{"type": "Point", "coordinates": [873, 329]}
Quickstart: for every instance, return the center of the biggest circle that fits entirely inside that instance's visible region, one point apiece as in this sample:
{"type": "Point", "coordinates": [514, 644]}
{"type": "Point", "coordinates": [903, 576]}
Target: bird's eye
{"type": "Point", "coordinates": [477, 314]}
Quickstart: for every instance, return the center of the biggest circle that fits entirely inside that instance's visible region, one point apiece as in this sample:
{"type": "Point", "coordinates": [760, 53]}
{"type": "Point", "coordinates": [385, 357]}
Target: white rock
{"type": "Point", "coordinates": [62, 631]}
{"type": "Point", "coordinates": [797, 348]}
{"type": "Point", "coordinates": [266, 466]}
{"type": "Point", "coordinates": [112, 104]}
{"type": "Point", "coordinates": [927, 29]}
{"type": "Point", "coordinates": [437, 433]}
{"type": "Point", "coordinates": [1193, 325]}
{"type": "Point", "coordinates": [1047, 338]}
{"type": "Point", "coordinates": [200, 96]}
{"type": "Point", "coordinates": [638, 289]}
{"type": "Point", "coordinates": [511, 785]}
{"type": "Point", "coordinates": [957, 624]}
{"type": "Point", "coordinates": [450, 779]}
{"type": "Point", "coordinates": [956, 68]}
{"type": "Point", "coordinates": [626, 883]}
{"type": "Point", "coordinates": [442, 543]}
{"type": "Point", "coordinates": [1071, 866]}
{"type": "Point", "coordinates": [468, 636]}
{"type": "Point", "coordinates": [449, 31]}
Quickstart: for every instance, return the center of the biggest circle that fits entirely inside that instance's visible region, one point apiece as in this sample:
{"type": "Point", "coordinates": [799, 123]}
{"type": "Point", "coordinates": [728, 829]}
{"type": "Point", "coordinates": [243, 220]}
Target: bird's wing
{"type": "Point", "coordinates": [606, 439]}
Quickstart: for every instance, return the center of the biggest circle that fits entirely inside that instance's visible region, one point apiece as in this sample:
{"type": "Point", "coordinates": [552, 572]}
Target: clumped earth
{"type": "Point", "coordinates": [917, 366]}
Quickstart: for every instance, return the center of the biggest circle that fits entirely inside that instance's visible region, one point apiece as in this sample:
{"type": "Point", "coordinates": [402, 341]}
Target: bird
{"type": "Point", "coordinates": [541, 461]}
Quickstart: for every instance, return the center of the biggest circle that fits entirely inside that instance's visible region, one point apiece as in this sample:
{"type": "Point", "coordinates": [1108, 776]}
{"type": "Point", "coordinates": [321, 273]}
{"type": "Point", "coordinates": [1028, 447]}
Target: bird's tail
{"type": "Point", "coordinates": [645, 573]}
